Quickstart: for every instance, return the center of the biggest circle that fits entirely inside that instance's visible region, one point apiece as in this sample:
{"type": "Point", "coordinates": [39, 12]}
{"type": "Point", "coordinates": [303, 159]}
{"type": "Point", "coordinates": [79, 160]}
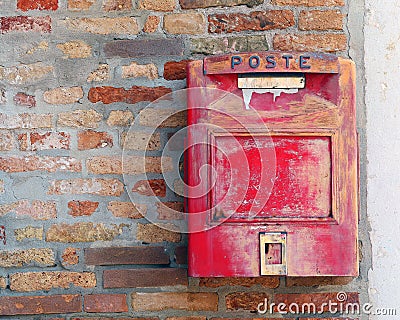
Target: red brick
{"type": "Point", "coordinates": [126, 255]}
{"type": "Point", "coordinates": [32, 121]}
{"type": "Point", "coordinates": [23, 142]}
{"type": "Point", "coordinates": [106, 165]}
{"type": "Point", "coordinates": [127, 209]}
{"type": "Point", "coordinates": [75, 49]}
{"type": "Point", "coordinates": [257, 21]}
{"type": "Point", "coordinates": [83, 232]}
{"type": "Point", "coordinates": [3, 283]}
{"type": "Point", "coordinates": [160, 232]}
{"type": "Point", "coordinates": [34, 141]}
{"type": "Point", "coordinates": [170, 210]}
{"type": "Point", "coordinates": [93, 140]}
{"type": "Point", "coordinates": [319, 300]}
{"type": "Point", "coordinates": [190, 301]}
{"type": "Point", "coordinates": [33, 163]}
{"type": "Point", "coordinates": [101, 187]}
{"type": "Point", "coordinates": [26, 5]}
{"type": "Point", "coordinates": [105, 303]}
{"type": "Point", "coordinates": [26, 121]}
{"type": "Point", "coordinates": [135, 70]}
{"type": "Point", "coordinates": [136, 140]}
{"type": "Point", "coordinates": [141, 278]}
{"type": "Point", "coordinates": [79, 118]}
{"type": "Point", "coordinates": [317, 281]}
{"type": "Point", "coordinates": [308, 3]}
{"type": "Point", "coordinates": [327, 319]}
{"type": "Point", "coordinates": [23, 23]}
{"type": "Point", "coordinates": [68, 95]}
{"type": "Point", "coordinates": [121, 118]}
{"type": "Point", "coordinates": [188, 318]}
{"type": "Point", "coordinates": [25, 73]}
{"type": "Point", "coordinates": [245, 300]}
{"type": "Point", "coordinates": [194, 4]}
{"type": "Point", "coordinates": [25, 100]}
{"type": "Point", "coordinates": [50, 304]}
{"type": "Point", "coordinates": [255, 318]}
{"type": "Point", "coordinates": [321, 20]}
{"type": "Point", "coordinates": [28, 257]}
{"type": "Point", "coordinates": [36, 209]}
{"type": "Point", "coordinates": [157, 5]}
{"type": "Point", "coordinates": [124, 25]}
{"type": "Point", "coordinates": [117, 5]}
{"type": "Point", "coordinates": [151, 24]}
{"type": "Point", "coordinates": [268, 282]}
{"type": "Point", "coordinates": [155, 187]}
{"type": "Point", "coordinates": [181, 255]}
{"type": "Point", "coordinates": [185, 23]}
{"type": "Point", "coordinates": [70, 257]}
{"type": "Point", "coordinates": [79, 5]}
{"type": "Point", "coordinates": [128, 165]}
{"type": "Point", "coordinates": [82, 208]}
{"type": "Point", "coordinates": [175, 70]}
{"type": "Point", "coordinates": [29, 232]}
{"type": "Point", "coordinates": [113, 318]}
{"type": "Point", "coordinates": [33, 281]}
{"type": "Point", "coordinates": [133, 95]}
{"type": "Point", "coordinates": [50, 140]}
{"type": "Point", "coordinates": [162, 118]}
{"type": "Point", "coordinates": [7, 141]}
{"type": "Point", "coordinates": [310, 42]}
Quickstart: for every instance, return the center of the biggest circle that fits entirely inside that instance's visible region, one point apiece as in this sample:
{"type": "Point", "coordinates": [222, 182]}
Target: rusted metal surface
{"type": "Point", "coordinates": [313, 198]}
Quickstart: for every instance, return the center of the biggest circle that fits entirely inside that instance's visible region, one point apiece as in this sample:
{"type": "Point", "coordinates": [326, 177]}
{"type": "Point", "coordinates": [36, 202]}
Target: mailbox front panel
{"type": "Point", "coordinates": [280, 193]}
{"type": "Point", "coordinates": [302, 190]}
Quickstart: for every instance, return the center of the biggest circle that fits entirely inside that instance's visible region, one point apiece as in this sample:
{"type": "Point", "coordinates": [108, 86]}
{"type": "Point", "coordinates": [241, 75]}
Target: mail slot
{"type": "Point", "coordinates": [272, 165]}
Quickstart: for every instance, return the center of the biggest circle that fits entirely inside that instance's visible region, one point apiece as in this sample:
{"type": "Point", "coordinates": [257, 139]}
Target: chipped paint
{"type": "Point", "coordinates": [313, 194]}
{"type": "Point", "coordinates": [248, 93]}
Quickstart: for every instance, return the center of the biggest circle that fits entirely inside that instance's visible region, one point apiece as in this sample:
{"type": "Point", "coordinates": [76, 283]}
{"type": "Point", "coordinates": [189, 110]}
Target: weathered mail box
{"type": "Point", "coordinates": [272, 165]}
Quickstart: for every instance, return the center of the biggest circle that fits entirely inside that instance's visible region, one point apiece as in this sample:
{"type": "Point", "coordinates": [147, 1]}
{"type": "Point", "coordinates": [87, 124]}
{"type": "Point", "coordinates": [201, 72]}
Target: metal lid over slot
{"type": "Point", "coordinates": [275, 83]}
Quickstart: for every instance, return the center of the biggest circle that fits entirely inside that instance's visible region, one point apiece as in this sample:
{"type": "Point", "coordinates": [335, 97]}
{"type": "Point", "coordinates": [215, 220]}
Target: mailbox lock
{"type": "Point", "coordinates": [273, 253]}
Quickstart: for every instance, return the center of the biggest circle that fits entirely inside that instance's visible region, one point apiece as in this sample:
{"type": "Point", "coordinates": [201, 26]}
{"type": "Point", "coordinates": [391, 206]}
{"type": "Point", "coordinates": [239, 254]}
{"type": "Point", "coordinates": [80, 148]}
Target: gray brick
{"type": "Point", "coordinates": [143, 48]}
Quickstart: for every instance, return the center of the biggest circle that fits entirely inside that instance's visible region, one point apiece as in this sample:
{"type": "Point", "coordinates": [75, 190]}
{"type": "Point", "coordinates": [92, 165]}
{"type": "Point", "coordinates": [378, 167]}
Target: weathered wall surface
{"type": "Point", "coordinates": [74, 76]}
{"type": "Point", "coordinates": [382, 96]}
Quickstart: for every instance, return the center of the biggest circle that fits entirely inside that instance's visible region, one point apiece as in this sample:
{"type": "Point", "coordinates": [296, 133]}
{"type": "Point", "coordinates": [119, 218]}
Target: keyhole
{"type": "Point", "coordinates": [273, 253]}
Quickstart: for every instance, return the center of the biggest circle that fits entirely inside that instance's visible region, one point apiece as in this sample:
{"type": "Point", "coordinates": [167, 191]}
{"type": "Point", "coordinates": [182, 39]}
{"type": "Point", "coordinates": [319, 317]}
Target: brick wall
{"type": "Point", "coordinates": [74, 76]}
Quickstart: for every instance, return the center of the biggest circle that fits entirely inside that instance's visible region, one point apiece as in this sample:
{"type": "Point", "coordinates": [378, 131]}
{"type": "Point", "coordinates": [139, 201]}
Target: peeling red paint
{"type": "Point", "coordinates": [312, 197]}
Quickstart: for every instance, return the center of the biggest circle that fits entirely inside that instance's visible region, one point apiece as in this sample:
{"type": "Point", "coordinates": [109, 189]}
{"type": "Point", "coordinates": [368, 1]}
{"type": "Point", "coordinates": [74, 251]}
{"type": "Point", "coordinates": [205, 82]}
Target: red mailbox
{"type": "Point", "coordinates": [272, 179]}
